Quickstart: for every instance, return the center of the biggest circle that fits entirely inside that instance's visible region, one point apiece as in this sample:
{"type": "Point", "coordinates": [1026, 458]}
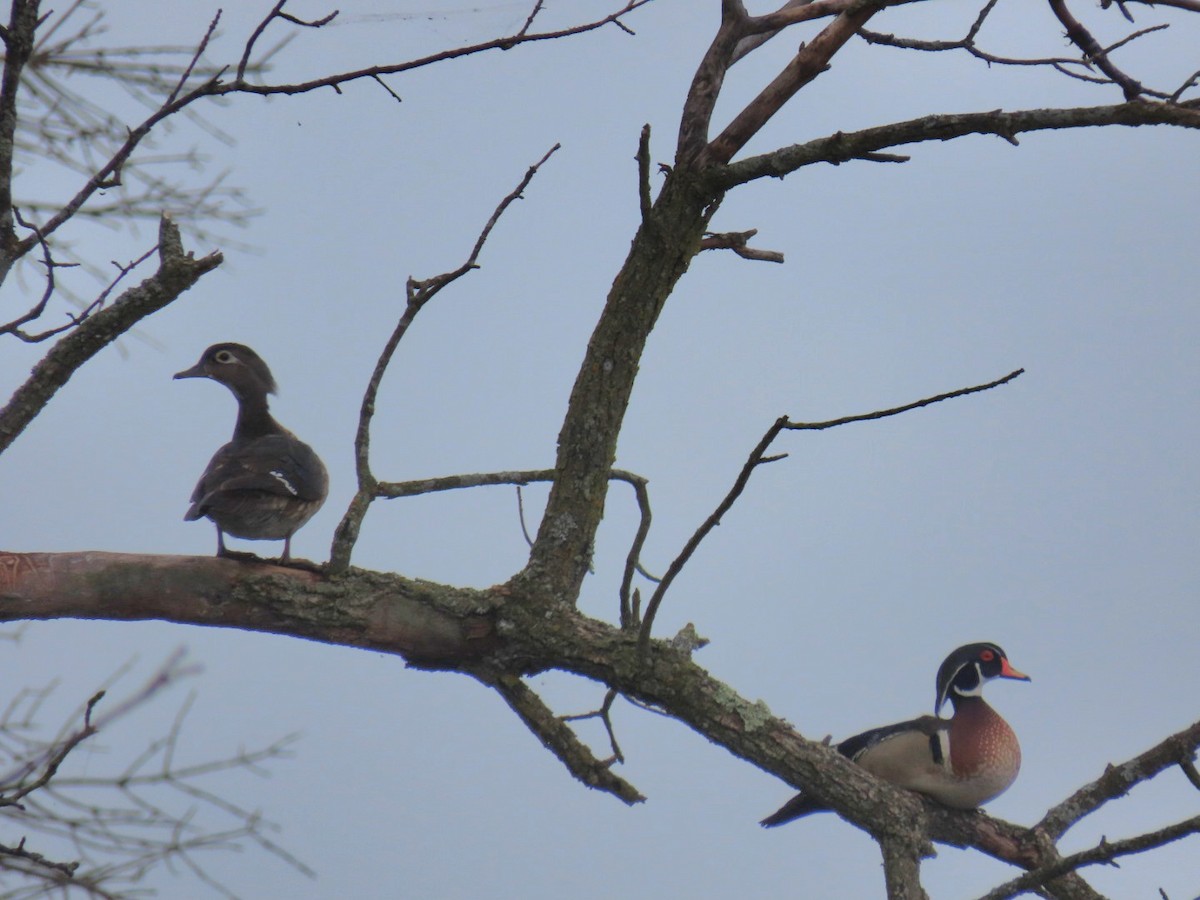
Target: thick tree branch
{"type": "Point", "coordinates": [846, 146]}
{"type": "Point", "coordinates": [498, 636]}
{"type": "Point", "coordinates": [177, 271]}
{"type": "Point", "coordinates": [424, 622]}
{"type": "Point", "coordinates": [662, 249]}
{"type": "Point", "coordinates": [902, 869]}
{"type": "Point", "coordinates": [706, 84]}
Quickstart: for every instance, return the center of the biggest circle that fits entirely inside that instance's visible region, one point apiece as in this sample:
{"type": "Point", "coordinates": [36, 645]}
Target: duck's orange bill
{"type": "Point", "coordinates": [1007, 671]}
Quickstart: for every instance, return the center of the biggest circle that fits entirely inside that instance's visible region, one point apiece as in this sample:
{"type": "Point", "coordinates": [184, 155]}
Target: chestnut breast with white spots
{"type": "Point", "coordinates": [984, 751]}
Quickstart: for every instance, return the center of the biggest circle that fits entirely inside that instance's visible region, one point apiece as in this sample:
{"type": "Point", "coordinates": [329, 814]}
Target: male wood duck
{"type": "Point", "coordinates": [962, 762]}
{"type": "Point", "coordinates": [265, 483]}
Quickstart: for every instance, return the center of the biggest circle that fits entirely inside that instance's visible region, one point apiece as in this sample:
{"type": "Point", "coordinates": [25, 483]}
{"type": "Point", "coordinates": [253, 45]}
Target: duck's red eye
{"type": "Point", "coordinates": [987, 655]}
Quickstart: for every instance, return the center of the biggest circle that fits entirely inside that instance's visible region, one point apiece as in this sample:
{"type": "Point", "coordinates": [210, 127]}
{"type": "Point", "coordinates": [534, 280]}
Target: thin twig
{"type": "Point", "coordinates": [628, 610]}
{"type": "Point", "coordinates": [896, 410]}
{"type": "Point", "coordinates": [200, 48]}
{"type": "Point", "coordinates": [521, 517]}
{"type": "Point", "coordinates": [533, 14]}
{"type": "Point", "coordinates": [604, 714]}
{"type": "Point", "coordinates": [758, 457]}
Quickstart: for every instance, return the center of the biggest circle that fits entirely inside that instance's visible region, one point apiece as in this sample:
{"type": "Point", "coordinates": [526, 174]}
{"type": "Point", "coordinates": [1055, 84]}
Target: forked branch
{"type": "Point", "coordinates": [419, 293]}
{"type": "Point", "coordinates": [559, 738]}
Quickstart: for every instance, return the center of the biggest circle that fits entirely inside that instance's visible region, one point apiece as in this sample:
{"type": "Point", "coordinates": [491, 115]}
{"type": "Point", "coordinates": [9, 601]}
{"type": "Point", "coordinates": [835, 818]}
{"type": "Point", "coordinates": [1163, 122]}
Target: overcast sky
{"type": "Point", "coordinates": [1055, 516]}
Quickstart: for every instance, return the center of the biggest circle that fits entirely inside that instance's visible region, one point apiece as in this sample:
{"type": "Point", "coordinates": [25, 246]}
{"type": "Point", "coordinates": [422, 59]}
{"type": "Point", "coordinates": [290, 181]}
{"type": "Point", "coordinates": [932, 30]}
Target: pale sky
{"type": "Point", "coordinates": [1055, 516]}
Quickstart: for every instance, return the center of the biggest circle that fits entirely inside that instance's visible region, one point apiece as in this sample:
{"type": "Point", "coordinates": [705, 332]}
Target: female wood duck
{"type": "Point", "coordinates": [963, 761]}
{"type": "Point", "coordinates": [265, 483]}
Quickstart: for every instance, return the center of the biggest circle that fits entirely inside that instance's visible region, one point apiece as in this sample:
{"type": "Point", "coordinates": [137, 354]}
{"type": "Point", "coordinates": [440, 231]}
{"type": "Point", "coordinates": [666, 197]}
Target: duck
{"type": "Point", "coordinates": [962, 762]}
{"type": "Point", "coordinates": [265, 483]}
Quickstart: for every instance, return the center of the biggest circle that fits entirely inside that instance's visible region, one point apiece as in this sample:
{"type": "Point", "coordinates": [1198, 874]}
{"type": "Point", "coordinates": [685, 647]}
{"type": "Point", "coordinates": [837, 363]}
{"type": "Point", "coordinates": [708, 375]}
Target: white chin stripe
{"type": "Point", "coordinates": [279, 476]}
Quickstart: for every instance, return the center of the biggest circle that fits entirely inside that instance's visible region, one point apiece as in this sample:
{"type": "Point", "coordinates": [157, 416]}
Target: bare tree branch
{"type": "Point", "coordinates": [1104, 852]}
{"type": "Point", "coordinates": [275, 13]}
{"type": "Point", "coordinates": [738, 242]}
{"type": "Point", "coordinates": [902, 869]}
{"type": "Point", "coordinates": [1178, 749]}
{"type": "Point", "coordinates": [758, 457]}
{"type": "Point", "coordinates": [417, 487]}
{"type": "Point", "coordinates": [846, 146]}
{"type": "Point", "coordinates": [419, 293]}
{"type": "Point", "coordinates": [341, 79]}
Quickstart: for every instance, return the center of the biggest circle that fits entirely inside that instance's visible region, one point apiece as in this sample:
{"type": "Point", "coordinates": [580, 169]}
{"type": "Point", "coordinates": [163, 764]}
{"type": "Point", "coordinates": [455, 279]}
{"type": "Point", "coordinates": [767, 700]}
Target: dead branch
{"type": "Point", "coordinates": [401, 616]}
{"type": "Point", "coordinates": [738, 241]}
{"type": "Point", "coordinates": [275, 13]}
{"type": "Point", "coordinates": [419, 293]}
{"type": "Point", "coordinates": [845, 146]}
{"type": "Point", "coordinates": [379, 611]}
{"type": "Point", "coordinates": [1104, 852]}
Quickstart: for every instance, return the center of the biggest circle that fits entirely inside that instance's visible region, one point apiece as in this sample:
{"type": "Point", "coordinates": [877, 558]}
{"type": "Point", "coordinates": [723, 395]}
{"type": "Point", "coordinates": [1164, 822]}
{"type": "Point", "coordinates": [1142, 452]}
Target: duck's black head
{"type": "Point", "coordinates": [969, 668]}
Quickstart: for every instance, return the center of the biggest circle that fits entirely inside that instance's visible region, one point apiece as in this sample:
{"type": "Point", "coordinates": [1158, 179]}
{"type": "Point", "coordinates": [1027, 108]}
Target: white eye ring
{"type": "Point", "coordinates": [224, 356]}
